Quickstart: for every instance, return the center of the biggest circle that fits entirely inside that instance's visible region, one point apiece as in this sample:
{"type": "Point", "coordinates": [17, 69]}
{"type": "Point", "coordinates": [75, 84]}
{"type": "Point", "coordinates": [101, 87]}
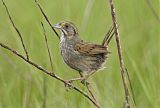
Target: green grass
{"type": "Point", "coordinates": [21, 85]}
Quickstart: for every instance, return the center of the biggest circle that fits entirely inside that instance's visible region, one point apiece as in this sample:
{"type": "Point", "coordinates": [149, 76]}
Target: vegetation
{"type": "Point", "coordinates": [21, 85]}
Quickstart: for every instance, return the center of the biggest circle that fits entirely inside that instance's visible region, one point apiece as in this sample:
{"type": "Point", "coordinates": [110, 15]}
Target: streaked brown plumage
{"type": "Point", "coordinates": [82, 56]}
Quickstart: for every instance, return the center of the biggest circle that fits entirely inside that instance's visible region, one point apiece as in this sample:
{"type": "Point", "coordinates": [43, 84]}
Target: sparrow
{"type": "Point", "coordinates": [85, 57]}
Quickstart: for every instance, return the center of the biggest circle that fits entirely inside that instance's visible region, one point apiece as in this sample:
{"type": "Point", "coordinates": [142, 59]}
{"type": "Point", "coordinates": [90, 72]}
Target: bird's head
{"type": "Point", "coordinates": [68, 29]}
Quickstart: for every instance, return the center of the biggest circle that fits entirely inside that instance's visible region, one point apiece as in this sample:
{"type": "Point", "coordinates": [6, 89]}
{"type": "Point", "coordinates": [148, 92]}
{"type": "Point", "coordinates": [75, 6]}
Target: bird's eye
{"type": "Point", "coordinates": [66, 26]}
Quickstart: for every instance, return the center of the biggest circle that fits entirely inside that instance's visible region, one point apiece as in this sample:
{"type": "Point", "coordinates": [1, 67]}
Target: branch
{"type": "Point", "coordinates": [49, 54]}
{"type": "Point", "coordinates": [130, 83]}
{"type": "Point", "coordinates": [50, 74]}
{"type": "Point", "coordinates": [45, 16]}
{"type": "Point", "coordinates": [89, 90]}
{"type": "Point", "coordinates": [108, 36]}
{"type": "Point", "coordinates": [122, 67]}
{"type": "Point", "coordinates": [19, 34]}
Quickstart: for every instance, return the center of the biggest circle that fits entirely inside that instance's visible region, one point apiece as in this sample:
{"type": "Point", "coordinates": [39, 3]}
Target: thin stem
{"type": "Point", "coordinates": [14, 26]}
{"type": "Point", "coordinates": [89, 90]}
{"type": "Point", "coordinates": [107, 35]}
{"type": "Point", "coordinates": [130, 83]}
{"type": "Point", "coordinates": [45, 16]}
{"type": "Point", "coordinates": [46, 40]}
{"type": "Point", "coordinates": [87, 86]}
{"type": "Point", "coordinates": [50, 74]}
{"type": "Point", "coordinates": [122, 67]}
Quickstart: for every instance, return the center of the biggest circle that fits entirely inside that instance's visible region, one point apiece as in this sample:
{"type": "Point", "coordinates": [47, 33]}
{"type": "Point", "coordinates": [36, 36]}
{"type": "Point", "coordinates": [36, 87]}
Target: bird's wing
{"type": "Point", "coordinates": [90, 49]}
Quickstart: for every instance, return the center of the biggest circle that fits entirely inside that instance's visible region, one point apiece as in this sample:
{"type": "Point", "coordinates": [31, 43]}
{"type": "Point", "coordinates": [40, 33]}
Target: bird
{"type": "Point", "coordinates": [84, 57]}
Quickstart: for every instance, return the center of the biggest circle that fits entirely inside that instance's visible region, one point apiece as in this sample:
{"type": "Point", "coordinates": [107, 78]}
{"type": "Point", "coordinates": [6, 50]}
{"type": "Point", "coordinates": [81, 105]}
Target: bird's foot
{"type": "Point", "coordinates": [84, 82]}
{"type": "Point", "coordinates": [68, 84]}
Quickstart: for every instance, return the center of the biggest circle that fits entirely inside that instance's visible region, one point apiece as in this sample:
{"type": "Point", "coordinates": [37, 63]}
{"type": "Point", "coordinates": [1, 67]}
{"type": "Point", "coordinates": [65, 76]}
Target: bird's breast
{"type": "Point", "coordinates": [78, 61]}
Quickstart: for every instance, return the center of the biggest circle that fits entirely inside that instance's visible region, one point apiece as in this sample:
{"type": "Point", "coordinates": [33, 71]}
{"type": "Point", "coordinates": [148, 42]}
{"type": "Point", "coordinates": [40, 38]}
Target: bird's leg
{"type": "Point", "coordinates": [70, 82]}
{"type": "Point", "coordinates": [69, 86]}
{"type": "Point", "coordinates": [74, 79]}
{"type": "Point", "coordinates": [84, 79]}
{"type": "Point", "coordinates": [92, 73]}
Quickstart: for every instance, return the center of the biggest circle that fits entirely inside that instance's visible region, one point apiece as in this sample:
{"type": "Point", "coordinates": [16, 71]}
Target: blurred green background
{"type": "Point", "coordinates": [21, 85]}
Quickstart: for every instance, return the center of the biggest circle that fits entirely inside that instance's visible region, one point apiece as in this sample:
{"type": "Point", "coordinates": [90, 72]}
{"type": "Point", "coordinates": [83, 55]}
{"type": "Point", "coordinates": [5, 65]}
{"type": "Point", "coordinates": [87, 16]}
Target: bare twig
{"type": "Point", "coordinates": [107, 35]}
{"type": "Point", "coordinates": [132, 92]}
{"type": "Point", "coordinates": [14, 26]}
{"type": "Point", "coordinates": [46, 40]}
{"type": "Point", "coordinates": [122, 67]}
{"type": "Point", "coordinates": [152, 9]}
{"type": "Point", "coordinates": [45, 16]}
{"type": "Point", "coordinates": [89, 90]}
{"type": "Point", "coordinates": [50, 74]}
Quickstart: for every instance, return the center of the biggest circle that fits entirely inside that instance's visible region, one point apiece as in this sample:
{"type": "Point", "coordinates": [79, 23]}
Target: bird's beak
{"type": "Point", "coordinates": [58, 26]}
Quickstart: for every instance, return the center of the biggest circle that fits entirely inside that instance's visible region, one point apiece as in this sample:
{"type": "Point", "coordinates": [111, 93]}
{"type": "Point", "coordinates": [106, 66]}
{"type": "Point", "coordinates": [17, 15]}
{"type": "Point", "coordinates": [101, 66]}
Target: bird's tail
{"type": "Point", "coordinates": [108, 36]}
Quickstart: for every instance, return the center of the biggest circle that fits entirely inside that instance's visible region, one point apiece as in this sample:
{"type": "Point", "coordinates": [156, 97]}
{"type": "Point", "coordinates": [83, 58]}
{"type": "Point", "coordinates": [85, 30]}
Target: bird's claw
{"type": "Point", "coordinates": [68, 84]}
{"type": "Point", "coordinates": [85, 82]}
